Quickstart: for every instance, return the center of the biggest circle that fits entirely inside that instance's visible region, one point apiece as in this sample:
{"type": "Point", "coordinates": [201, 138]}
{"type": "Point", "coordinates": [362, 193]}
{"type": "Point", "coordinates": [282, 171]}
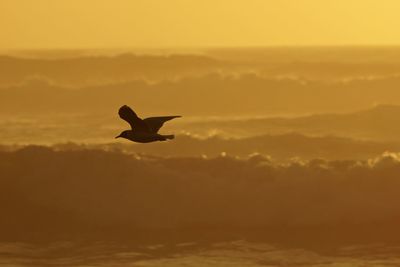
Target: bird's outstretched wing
{"type": "Point", "coordinates": [155, 123]}
{"type": "Point", "coordinates": [136, 123]}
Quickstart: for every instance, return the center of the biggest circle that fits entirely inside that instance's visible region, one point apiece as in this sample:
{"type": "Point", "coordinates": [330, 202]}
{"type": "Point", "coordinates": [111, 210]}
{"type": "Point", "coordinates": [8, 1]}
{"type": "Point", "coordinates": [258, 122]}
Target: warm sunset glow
{"type": "Point", "coordinates": [209, 133]}
{"type": "Point", "coordinates": [180, 23]}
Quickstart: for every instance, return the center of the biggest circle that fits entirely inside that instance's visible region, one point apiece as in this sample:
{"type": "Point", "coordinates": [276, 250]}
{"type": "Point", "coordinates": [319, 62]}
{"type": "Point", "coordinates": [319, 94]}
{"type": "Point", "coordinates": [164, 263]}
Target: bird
{"type": "Point", "coordinates": [143, 130]}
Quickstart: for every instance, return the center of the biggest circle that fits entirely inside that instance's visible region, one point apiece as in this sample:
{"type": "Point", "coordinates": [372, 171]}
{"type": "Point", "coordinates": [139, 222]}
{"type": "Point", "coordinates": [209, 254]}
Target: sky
{"type": "Point", "coordinates": [73, 24]}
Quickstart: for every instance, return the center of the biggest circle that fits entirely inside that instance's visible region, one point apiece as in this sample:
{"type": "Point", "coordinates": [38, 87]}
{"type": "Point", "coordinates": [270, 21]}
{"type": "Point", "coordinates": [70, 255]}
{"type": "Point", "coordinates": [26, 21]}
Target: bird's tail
{"type": "Point", "coordinates": [171, 136]}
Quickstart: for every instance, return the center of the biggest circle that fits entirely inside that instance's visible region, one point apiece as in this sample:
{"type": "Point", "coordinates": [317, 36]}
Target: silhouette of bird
{"type": "Point", "coordinates": [143, 130]}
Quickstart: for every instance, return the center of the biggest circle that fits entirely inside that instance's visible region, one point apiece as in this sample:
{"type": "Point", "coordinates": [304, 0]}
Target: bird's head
{"type": "Point", "coordinates": [124, 134]}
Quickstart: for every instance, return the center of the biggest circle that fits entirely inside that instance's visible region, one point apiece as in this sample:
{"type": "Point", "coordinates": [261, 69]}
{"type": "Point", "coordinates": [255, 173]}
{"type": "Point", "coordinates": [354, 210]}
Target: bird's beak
{"type": "Point", "coordinates": [118, 136]}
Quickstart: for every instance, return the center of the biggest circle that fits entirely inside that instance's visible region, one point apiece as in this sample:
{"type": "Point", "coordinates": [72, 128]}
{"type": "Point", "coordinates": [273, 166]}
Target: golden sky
{"type": "Point", "coordinates": [196, 23]}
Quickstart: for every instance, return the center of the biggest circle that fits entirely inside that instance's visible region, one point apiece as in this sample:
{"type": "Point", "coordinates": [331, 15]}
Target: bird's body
{"type": "Point", "coordinates": [144, 137]}
{"type": "Point", "coordinates": [143, 131]}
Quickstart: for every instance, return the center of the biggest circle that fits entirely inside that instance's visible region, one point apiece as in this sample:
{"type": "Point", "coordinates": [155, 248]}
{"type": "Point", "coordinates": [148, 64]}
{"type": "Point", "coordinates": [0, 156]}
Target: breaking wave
{"type": "Point", "coordinates": [48, 191]}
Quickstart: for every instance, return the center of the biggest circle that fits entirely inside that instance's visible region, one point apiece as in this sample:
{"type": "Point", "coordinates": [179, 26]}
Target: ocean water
{"type": "Point", "coordinates": [233, 253]}
{"type": "Point", "coordinates": [283, 157]}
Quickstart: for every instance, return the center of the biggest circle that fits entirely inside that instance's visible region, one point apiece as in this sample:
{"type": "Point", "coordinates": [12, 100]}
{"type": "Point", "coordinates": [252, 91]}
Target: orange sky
{"type": "Point", "coordinates": [196, 23]}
